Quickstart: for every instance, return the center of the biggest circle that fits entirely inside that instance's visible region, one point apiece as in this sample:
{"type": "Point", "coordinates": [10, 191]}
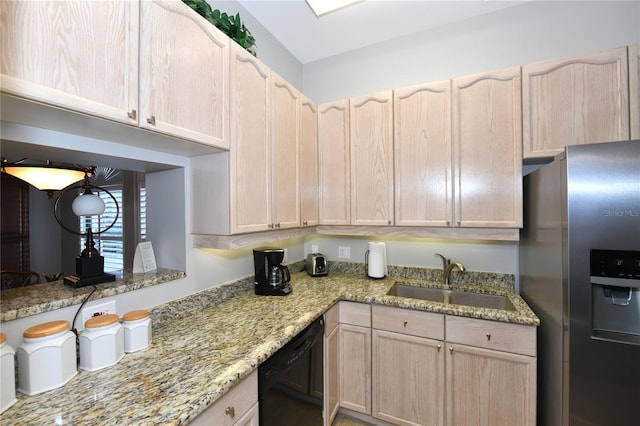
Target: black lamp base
{"type": "Point", "coordinates": [89, 270]}
{"type": "Point", "coordinates": [77, 282]}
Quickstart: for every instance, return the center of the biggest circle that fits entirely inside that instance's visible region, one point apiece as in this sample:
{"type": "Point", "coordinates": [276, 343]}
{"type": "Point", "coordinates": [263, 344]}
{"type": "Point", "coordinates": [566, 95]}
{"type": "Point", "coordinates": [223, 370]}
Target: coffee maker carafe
{"type": "Point", "coordinates": [272, 278]}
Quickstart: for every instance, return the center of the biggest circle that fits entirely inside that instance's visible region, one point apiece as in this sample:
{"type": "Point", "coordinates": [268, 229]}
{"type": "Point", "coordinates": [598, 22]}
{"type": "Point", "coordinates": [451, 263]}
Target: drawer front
{"type": "Point", "coordinates": [407, 321]}
{"type": "Point", "coordinates": [514, 338]}
{"type": "Point", "coordinates": [233, 405]}
{"type": "Point", "coordinates": [355, 313]}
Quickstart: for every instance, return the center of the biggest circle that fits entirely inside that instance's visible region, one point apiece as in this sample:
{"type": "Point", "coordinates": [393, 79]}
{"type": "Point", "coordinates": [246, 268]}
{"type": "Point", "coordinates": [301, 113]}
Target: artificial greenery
{"type": "Point", "coordinates": [230, 25]}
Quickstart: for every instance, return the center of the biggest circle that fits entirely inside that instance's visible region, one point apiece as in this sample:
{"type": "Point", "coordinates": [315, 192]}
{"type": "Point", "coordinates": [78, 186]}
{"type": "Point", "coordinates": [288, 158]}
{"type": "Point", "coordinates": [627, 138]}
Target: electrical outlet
{"type": "Point", "coordinates": [98, 309]}
{"type": "Point", "coordinates": [314, 248]}
{"type": "Point", "coordinates": [344, 252]}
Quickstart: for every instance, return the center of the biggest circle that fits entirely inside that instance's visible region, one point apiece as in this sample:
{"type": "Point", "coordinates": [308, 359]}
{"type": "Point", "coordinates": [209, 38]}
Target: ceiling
{"type": "Point", "coordinates": [309, 38]}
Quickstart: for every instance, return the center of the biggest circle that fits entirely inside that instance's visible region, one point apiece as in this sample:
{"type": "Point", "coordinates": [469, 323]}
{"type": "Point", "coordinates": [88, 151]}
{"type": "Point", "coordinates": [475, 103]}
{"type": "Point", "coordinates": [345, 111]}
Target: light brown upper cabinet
{"type": "Point", "coordinates": [308, 142]}
{"type": "Point", "coordinates": [634, 90]}
{"type": "Point", "coordinates": [81, 56]}
{"type": "Point", "coordinates": [184, 74]}
{"type": "Point", "coordinates": [250, 151]}
{"type": "Point", "coordinates": [334, 163]}
{"type": "Point", "coordinates": [576, 100]}
{"type": "Point", "coordinates": [123, 61]}
{"type": "Point", "coordinates": [285, 191]}
{"type": "Point", "coordinates": [371, 140]}
{"type": "Point", "coordinates": [422, 155]}
{"type": "Point", "coordinates": [487, 150]}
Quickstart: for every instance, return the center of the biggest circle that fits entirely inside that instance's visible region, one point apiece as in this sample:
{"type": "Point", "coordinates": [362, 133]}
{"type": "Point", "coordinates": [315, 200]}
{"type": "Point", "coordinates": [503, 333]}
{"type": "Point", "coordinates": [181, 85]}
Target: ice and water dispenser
{"type": "Point", "coordinates": [615, 295]}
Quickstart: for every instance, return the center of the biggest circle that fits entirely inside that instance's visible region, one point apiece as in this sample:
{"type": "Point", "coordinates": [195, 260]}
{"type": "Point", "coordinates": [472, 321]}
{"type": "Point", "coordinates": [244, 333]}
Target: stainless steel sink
{"type": "Point", "coordinates": [453, 297]}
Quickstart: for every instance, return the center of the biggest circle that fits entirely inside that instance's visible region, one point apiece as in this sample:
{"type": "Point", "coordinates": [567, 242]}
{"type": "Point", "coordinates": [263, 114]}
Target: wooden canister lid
{"type": "Point", "coordinates": [46, 329]}
{"type": "Point", "coordinates": [101, 321]}
{"type": "Point", "coordinates": [3, 338]}
{"type": "Point", "coordinates": [135, 315]}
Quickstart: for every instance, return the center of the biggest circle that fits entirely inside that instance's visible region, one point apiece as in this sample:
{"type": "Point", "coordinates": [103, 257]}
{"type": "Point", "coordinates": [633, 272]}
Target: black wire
{"type": "Point", "coordinates": [73, 325]}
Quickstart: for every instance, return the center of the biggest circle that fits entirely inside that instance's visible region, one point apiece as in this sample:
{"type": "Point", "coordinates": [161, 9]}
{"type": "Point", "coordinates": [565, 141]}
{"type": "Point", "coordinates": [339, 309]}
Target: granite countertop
{"type": "Point", "coordinates": [203, 347]}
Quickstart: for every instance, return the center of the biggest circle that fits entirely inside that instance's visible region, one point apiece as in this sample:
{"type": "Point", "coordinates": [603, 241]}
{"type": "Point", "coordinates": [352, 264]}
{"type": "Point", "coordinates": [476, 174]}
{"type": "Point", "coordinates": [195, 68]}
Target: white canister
{"type": "Point", "coordinates": [46, 357]}
{"type": "Point", "coordinates": [137, 330]}
{"type": "Point", "coordinates": [7, 373]}
{"type": "Point", "coordinates": [101, 342]}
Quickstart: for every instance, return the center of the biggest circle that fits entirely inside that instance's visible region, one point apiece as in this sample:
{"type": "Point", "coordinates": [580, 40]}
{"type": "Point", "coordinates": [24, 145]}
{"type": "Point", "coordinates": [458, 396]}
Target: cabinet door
{"type": "Point", "coordinates": [331, 372]}
{"type": "Point", "coordinates": [285, 191]}
{"type": "Point", "coordinates": [487, 150]}
{"type": "Point", "coordinates": [77, 55]}
{"type": "Point", "coordinates": [355, 368]}
{"type": "Point", "coordinates": [634, 90]}
{"type": "Point", "coordinates": [422, 155]}
{"type": "Point", "coordinates": [408, 379]}
{"type": "Point", "coordinates": [486, 387]}
{"type": "Point", "coordinates": [577, 100]}
{"type": "Point", "coordinates": [334, 163]}
{"type": "Point", "coordinates": [184, 62]}
{"type": "Point", "coordinates": [371, 139]}
{"type": "Point", "coordinates": [308, 162]}
{"type": "Point", "coordinates": [249, 152]}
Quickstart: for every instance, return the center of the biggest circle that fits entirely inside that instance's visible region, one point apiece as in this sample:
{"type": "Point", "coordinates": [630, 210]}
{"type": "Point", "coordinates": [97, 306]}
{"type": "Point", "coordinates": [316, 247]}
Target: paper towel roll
{"type": "Point", "coordinates": [377, 260]}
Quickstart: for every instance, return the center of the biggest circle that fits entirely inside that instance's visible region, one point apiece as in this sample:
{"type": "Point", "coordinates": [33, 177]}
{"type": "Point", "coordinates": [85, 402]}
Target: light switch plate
{"type": "Point", "coordinates": [344, 252]}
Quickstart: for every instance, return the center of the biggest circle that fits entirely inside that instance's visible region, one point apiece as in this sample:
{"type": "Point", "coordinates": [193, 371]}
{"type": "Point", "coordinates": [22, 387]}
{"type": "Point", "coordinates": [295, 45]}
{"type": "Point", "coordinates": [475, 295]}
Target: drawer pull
{"type": "Point", "coordinates": [405, 322]}
{"type": "Point", "coordinates": [230, 411]}
{"type": "Point", "coordinates": [132, 114]}
{"type": "Point", "coordinates": [152, 120]}
{"type": "Point", "coordinates": [488, 336]}
{"type": "Point", "coordinates": [451, 349]}
{"type": "Point", "coordinates": [439, 347]}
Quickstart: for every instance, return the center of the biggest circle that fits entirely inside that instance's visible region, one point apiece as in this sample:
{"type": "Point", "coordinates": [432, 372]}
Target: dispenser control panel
{"type": "Point", "coordinates": [615, 264]}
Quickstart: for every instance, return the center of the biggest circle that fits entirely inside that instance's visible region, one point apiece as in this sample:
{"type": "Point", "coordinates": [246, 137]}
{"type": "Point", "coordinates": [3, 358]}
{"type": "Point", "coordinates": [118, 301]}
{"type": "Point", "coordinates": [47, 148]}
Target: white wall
{"type": "Point", "coordinates": [518, 35]}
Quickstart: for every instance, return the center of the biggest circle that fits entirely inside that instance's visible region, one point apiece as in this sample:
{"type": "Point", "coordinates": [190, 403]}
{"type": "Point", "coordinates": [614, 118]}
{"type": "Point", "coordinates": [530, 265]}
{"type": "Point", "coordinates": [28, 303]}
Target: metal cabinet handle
{"type": "Point", "coordinates": [271, 226]}
{"type": "Point", "coordinates": [405, 322]}
{"type": "Point", "coordinates": [388, 222]}
{"type": "Point", "coordinates": [277, 225]}
{"type": "Point", "coordinates": [230, 411]}
{"type": "Point", "coordinates": [152, 120]}
{"type": "Point", "coordinates": [488, 336]}
{"type": "Point", "coordinates": [133, 114]}
{"type": "Point", "coordinates": [451, 349]}
{"type": "Point", "coordinates": [439, 347]}
{"type": "Point", "coordinates": [305, 223]}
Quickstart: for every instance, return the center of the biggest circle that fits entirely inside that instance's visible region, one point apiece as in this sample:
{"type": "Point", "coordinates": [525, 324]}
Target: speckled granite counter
{"type": "Point", "coordinates": [34, 299]}
{"type": "Point", "coordinates": [201, 350]}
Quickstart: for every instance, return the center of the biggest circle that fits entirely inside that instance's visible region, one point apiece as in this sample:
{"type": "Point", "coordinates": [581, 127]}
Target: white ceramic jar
{"type": "Point", "coordinates": [101, 342]}
{"type": "Point", "coordinates": [46, 357]}
{"type": "Point", "coordinates": [137, 330]}
{"type": "Point", "coordinates": [7, 373]}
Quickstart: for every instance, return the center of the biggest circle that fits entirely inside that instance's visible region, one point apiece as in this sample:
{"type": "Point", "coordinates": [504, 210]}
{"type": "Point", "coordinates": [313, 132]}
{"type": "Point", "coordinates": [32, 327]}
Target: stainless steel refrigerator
{"type": "Point", "coordinates": [580, 273]}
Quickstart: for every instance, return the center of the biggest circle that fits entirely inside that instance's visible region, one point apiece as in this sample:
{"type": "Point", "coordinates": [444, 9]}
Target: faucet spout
{"type": "Point", "coordinates": [447, 271]}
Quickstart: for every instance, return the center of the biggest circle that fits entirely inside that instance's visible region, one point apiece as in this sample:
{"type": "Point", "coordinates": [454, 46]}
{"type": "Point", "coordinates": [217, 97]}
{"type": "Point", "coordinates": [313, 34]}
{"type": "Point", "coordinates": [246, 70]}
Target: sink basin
{"type": "Point", "coordinates": [454, 297]}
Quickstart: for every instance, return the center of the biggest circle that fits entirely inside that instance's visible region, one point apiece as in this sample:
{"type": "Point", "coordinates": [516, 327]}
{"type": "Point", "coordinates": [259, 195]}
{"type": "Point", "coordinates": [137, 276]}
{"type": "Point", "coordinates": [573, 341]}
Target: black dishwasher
{"type": "Point", "coordinates": [290, 382]}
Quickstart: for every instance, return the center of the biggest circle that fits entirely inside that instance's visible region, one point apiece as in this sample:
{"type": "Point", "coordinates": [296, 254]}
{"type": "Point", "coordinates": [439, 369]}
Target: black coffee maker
{"type": "Point", "coordinates": [272, 278]}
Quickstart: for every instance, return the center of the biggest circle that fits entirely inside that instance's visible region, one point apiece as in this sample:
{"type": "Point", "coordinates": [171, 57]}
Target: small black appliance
{"type": "Point", "coordinates": [272, 278]}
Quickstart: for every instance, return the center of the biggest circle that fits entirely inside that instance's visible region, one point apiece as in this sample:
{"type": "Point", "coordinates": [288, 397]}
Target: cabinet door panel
{"type": "Point", "coordinates": [422, 155]}
{"type": "Point", "coordinates": [331, 372]}
{"type": "Point", "coordinates": [355, 368]}
{"type": "Point", "coordinates": [249, 146]}
{"type": "Point", "coordinates": [408, 379]}
{"type": "Point", "coordinates": [487, 149]}
{"type": "Point", "coordinates": [308, 163]}
{"type": "Point", "coordinates": [73, 54]}
{"type": "Point", "coordinates": [577, 100]}
{"type": "Point", "coordinates": [371, 139]}
{"type": "Point", "coordinates": [487, 387]}
{"type": "Point", "coordinates": [334, 163]}
{"type": "Point", "coordinates": [634, 90]}
{"type": "Point", "coordinates": [183, 87]}
{"type": "Point", "coordinates": [285, 191]}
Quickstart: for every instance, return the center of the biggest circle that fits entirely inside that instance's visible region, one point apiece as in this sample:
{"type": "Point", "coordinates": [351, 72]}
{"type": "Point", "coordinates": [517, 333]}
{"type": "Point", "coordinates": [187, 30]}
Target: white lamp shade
{"type": "Point", "coordinates": [88, 205]}
{"type": "Point", "coordinates": [46, 178]}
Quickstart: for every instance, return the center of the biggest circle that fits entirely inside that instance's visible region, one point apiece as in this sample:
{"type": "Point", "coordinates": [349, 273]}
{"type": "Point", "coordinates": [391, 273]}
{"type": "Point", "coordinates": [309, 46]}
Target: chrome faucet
{"type": "Point", "coordinates": [448, 266]}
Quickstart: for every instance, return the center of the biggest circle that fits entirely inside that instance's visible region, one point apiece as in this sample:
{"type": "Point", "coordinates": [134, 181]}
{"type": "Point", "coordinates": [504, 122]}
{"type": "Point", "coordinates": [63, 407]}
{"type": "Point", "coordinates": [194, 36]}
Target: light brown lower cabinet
{"type": "Point", "coordinates": [483, 373]}
{"type": "Point", "coordinates": [238, 407]}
